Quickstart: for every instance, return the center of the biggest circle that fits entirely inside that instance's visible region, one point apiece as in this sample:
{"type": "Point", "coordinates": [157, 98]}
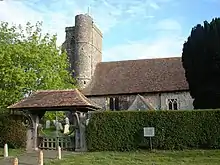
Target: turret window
{"type": "Point", "coordinates": [72, 41]}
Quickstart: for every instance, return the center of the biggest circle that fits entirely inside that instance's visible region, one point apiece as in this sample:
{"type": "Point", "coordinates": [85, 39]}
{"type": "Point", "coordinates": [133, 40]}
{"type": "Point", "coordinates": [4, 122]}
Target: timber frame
{"type": "Point", "coordinates": [35, 106]}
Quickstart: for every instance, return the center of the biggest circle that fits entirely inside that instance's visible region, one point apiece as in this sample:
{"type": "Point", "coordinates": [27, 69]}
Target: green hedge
{"type": "Point", "coordinates": [123, 130]}
{"type": "Point", "coordinates": [12, 131]}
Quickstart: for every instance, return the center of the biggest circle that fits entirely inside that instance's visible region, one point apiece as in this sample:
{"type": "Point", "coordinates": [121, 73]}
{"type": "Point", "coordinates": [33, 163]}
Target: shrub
{"type": "Point", "coordinates": [123, 130]}
{"type": "Point", "coordinates": [51, 115]}
{"type": "Point", "coordinates": [12, 131]}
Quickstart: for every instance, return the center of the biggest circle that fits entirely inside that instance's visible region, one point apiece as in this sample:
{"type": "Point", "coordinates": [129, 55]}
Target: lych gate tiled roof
{"type": "Point", "coordinates": [55, 99]}
{"type": "Point", "coordinates": [138, 76]}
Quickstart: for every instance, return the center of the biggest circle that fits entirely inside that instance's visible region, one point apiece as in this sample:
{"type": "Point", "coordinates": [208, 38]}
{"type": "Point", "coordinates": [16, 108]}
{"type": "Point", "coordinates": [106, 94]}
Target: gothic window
{"type": "Point", "coordinates": [116, 103]}
{"type": "Point", "coordinates": [113, 103]}
{"type": "Point", "coordinates": [172, 104]}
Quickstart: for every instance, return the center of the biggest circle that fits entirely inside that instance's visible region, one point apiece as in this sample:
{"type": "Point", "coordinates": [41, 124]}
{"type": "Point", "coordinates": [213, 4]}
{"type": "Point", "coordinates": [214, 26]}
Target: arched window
{"type": "Point", "coordinates": [172, 104]}
{"type": "Point", "coordinates": [116, 103]}
{"type": "Point", "coordinates": [72, 41]}
{"type": "Point", "coordinates": [113, 103]}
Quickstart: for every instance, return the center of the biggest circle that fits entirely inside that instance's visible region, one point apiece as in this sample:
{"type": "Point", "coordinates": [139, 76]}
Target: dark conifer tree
{"type": "Point", "coordinates": [201, 61]}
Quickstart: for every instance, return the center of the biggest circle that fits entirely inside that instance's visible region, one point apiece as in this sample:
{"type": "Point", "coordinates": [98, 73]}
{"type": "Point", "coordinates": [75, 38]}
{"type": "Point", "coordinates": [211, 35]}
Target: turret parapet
{"type": "Point", "coordinates": [83, 28]}
{"type": "Point", "coordinates": [84, 16]}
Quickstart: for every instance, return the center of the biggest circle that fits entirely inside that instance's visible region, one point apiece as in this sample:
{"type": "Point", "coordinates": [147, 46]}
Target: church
{"type": "Point", "coordinates": [146, 84]}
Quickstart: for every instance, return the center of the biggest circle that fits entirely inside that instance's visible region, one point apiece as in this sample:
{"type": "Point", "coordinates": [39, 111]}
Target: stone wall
{"type": "Point", "coordinates": [96, 47]}
{"type": "Point", "coordinates": [184, 99]}
{"type": "Point", "coordinates": [100, 100]}
{"type": "Point", "coordinates": [84, 48]}
{"type": "Point", "coordinates": [83, 52]}
{"type": "Point", "coordinates": [69, 45]}
{"type": "Point", "coordinates": [158, 101]}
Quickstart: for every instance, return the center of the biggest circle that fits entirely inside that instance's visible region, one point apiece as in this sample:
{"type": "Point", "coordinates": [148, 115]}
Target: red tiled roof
{"type": "Point", "coordinates": [54, 99]}
{"type": "Point", "coordinates": [138, 76]}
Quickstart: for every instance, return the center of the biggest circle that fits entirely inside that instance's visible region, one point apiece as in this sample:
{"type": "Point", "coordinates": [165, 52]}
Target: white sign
{"type": "Point", "coordinates": [149, 132]}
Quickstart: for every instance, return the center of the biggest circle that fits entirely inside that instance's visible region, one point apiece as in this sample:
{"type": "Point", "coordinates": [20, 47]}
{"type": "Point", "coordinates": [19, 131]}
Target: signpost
{"type": "Point", "coordinates": [149, 132]}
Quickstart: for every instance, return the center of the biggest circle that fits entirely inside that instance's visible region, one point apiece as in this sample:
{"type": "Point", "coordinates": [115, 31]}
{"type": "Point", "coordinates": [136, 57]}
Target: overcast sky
{"type": "Point", "coordinates": [132, 29]}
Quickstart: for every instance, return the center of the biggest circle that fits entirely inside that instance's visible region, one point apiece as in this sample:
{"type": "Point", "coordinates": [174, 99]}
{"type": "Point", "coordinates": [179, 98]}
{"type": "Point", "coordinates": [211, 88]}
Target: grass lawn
{"type": "Point", "coordinates": [193, 157]}
{"type": "Point", "coordinates": [11, 152]}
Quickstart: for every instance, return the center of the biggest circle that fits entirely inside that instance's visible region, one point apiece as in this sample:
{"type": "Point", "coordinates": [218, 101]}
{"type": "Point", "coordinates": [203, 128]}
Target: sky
{"type": "Point", "coordinates": [132, 29]}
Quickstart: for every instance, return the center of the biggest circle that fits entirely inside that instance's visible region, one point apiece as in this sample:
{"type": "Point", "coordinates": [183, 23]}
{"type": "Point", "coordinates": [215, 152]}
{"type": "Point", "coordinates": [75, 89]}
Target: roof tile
{"type": "Point", "coordinates": [53, 99]}
{"type": "Point", "coordinates": [138, 76]}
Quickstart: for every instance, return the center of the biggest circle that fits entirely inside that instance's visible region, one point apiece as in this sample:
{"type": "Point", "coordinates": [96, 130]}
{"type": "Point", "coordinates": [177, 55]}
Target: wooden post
{"type": "Point", "coordinates": [15, 161]}
{"type": "Point", "coordinates": [6, 151]}
{"type": "Point", "coordinates": [59, 152]}
{"type": "Point", "coordinates": [35, 135]}
{"type": "Point", "coordinates": [41, 158]}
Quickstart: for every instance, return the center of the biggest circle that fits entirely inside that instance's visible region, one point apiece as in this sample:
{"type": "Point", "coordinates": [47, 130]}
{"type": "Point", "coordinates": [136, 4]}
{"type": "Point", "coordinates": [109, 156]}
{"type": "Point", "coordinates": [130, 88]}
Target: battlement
{"type": "Point", "coordinates": [71, 28]}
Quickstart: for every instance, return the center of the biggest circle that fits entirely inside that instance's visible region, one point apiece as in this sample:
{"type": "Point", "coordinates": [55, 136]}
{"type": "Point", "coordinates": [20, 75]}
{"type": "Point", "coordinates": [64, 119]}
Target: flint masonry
{"type": "Point", "coordinates": [158, 84]}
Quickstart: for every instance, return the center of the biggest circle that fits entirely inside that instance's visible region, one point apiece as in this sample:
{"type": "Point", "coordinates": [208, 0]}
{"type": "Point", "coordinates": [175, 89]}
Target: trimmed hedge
{"type": "Point", "coordinates": [12, 131]}
{"type": "Point", "coordinates": [123, 130]}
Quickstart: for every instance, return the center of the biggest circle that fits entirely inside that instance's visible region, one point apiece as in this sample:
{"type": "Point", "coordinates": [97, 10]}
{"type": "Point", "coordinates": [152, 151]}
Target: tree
{"type": "Point", "coordinates": [53, 115]}
{"type": "Point", "coordinates": [30, 61]}
{"type": "Point", "coordinates": [201, 61]}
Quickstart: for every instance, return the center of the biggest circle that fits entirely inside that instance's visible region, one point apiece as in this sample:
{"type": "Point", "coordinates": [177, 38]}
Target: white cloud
{"type": "Point", "coordinates": [16, 12]}
{"type": "Point", "coordinates": [57, 14]}
{"type": "Point", "coordinates": [154, 5]}
{"type": "Point", "coordinates": [168, 42]}
{"type": "Point", "coordinates": [161, 47]}
{"type": "Point", "coordinates": [168, 25]}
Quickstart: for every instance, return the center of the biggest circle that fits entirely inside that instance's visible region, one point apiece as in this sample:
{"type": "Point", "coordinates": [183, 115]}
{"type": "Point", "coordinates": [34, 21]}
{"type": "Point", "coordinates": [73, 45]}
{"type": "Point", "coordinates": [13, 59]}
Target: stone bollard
{"type": "Point", "coordinates": [41, 158]}
{"type": "Point", "coordinates": [15, 161]}
{"type": "Point", "coordinates": [59, 152]}
{"type": "Point", "coordinates": [6, 151]}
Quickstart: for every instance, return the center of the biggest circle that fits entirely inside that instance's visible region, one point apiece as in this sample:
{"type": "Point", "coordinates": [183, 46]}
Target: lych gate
{"type": "Point", "coordinates": [34, 108]}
